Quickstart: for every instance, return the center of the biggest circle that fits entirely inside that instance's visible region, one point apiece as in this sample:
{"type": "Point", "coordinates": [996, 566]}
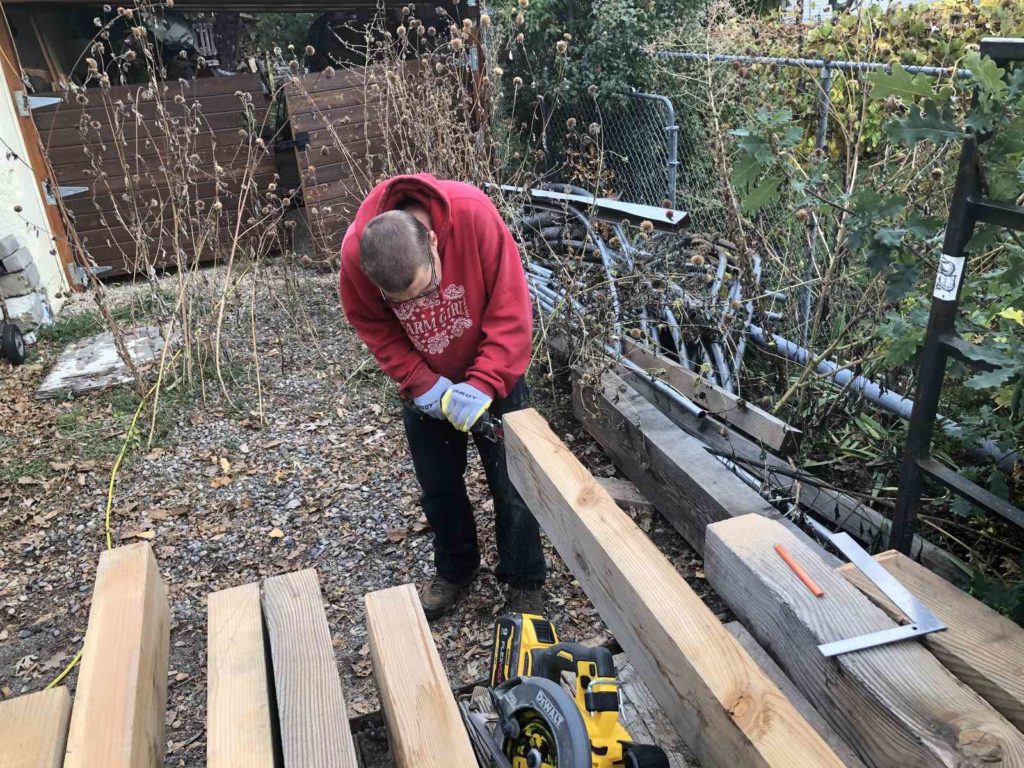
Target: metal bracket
{"type": "Point", "coordinates": [922, 620]}
{"type": "Point", "coordinates": [63, 191]}
{"type": "Point", "coordinates": [299, 141]}
{"type": "Point", "coordinates": [27, 103]}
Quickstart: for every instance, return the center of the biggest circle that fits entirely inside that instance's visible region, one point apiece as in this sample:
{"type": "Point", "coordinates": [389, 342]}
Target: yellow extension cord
{"type": "Point", "coordinates": [110, 506]}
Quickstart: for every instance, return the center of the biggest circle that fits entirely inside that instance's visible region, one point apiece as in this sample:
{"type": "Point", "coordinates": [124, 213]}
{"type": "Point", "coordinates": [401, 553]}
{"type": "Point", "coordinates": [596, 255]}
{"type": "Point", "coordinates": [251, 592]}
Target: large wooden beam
{"type": "Point", "coordinates": [121, 696]}
{"type": "Point", "coordinates": [239, 733]}
{"type": "Point", "coordinates": [722, 704]}
{"type": "Point", "coordinates": [895, 704]}
{"type": "Point", "coordinates": [840, 511]}
{"type": "Point", "coordinates": [688, 485]}
{"type": "Point", "coordinates": [311, 708]}
{"type": "Point", "coordinates": [760, 425]}
{"type": "Point", "coordinates": [419, 708]}
{"type": "Point", "coordinates": [34, 729]}
{"type": "Point", "coordinates": [979, 646]}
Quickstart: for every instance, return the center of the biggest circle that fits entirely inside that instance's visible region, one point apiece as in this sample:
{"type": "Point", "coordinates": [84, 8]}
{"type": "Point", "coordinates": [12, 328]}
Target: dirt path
{"type": "Point", "coordinates": [326, 482]}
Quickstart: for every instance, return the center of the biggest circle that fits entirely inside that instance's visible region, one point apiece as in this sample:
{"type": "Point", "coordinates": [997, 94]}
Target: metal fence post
{"type": "Point", "coordinates": [672, 140]}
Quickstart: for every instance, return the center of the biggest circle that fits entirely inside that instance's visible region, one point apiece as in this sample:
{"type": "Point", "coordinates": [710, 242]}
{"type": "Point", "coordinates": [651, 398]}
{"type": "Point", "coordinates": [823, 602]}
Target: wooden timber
{"type": "Point", "coordinates": [838, 510]}
{"type": "Point", "coordinates": [727, 710]}
{"type": "Point", "coordinates": [759, 424]}
{"type": "Point", "coordinates": [121, 695]}
{"type": "Point", "coordinates": [239, 729]}
{"type": "Point", "coordinates": [688, 485]}
{"type": "Point", "coordinates": [803, 706]}
{"type": "Point", "coordinates": [895, 704]}
{"type": "Point", "coordinates": [311, 708]}
{"type": "Point", "coordinates": [419, 708]}
{"type": "Point", "coordinates": [34, 729]}
{"type": "Point", "coordinates": [625, 493]}
{"type": "Point", "coordinates": [979, 646]}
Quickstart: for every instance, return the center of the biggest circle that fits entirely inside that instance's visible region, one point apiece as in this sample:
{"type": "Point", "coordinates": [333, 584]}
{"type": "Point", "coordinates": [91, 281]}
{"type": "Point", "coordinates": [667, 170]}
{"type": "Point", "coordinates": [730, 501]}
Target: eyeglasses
{"type": "Point", "coordinates": [435, 284]}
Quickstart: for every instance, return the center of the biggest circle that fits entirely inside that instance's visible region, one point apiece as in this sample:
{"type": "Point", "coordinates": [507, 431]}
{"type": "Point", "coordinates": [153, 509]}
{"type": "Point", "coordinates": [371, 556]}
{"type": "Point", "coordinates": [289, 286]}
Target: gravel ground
{"type": "Point", "coordinates": [325, 481]}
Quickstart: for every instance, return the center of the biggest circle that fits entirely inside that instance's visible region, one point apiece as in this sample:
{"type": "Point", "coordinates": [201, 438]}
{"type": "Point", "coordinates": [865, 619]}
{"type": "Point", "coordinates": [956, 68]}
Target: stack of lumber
{"type": "Point", "coordinates": [279, 703]}
{"type": "Point", "coordinates": [117, 720]}
{"type": "Point", "coordinates": [761, 692]}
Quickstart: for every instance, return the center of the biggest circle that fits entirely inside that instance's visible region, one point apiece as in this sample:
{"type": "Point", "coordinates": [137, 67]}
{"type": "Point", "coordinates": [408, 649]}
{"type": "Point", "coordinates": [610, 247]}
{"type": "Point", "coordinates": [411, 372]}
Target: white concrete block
{"type": "Point", "coordinates": [20, 283]}
{"type": "Point", "coordinates": [29, 312]}
{"type": "Point", "coordinates": [16, 260]}
{"type": "Point", "coordinates": [9, 245]}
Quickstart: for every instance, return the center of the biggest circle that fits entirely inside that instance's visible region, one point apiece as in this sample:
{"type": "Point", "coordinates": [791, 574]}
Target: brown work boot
{"type": "Point", "coordinates": [438, 596]}
{"type": "Point", "coordinates": [525, 601]}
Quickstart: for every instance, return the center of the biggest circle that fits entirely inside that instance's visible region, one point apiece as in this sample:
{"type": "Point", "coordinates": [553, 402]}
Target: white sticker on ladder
{"type": "Point", "coordinates": [947, 279]}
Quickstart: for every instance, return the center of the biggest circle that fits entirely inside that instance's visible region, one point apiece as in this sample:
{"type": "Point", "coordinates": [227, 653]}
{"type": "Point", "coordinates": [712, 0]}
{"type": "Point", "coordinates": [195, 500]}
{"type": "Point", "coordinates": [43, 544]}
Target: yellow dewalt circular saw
{"type": "Point", "coordinates": [528, 719]}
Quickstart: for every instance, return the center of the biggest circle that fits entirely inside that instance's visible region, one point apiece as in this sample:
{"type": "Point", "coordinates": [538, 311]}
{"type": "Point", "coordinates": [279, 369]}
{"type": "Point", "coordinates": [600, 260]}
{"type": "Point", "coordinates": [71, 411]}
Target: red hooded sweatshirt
{"type": "Point", "coordinates": [478, 327]}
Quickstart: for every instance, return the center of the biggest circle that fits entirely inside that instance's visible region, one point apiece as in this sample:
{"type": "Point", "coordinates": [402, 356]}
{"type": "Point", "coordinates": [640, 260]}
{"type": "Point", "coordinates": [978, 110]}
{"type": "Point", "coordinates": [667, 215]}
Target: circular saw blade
{"type": "Point", "coordinates": [547, 730]}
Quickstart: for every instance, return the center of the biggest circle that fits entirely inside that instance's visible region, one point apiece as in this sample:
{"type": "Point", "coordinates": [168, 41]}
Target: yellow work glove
{"type": "Point", "coordinates": [463, 405]}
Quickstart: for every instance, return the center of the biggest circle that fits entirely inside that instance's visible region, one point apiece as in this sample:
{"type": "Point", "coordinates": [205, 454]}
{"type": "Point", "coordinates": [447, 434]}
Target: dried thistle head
{"type": "Point", "coordinates": [561, 47]}
{"type": "Point", "coordinates": [467, 23]}
{"type": "Point", "coordinates": [498, 71]}
{"type": "Point", "coordinates": [592, 91]}
{"type": "Point", "coordinates": [431, 32]}
{"type": "Point", "coordinates": [179, 99]}
{"type": "Point", "coordinates": [594, 129]}
{"type": "Point", "coordinates": [571, 123]}
{"type": "Point", "coordinates": [218, 205]}
{"type": "Point", "coordinates": [93, 66]}
{"type": "Point", "coordinates": [329, 73]}
{"type": "Point", "coordinates": [401, 31]}
{"type": "Point", "coordinates": [310, 50]}
{"type": "Point", "coordinates": [646, 227]}
{"type": "Point", "coordinates": [520, 19]}
{"type": "Point", "coordinates": [520, 38]}
{"type": "Point", "coordinates": [293, 65]}
{"type": "Point", "coordinates": [485, 20]}
{"type": "Point", "coordinates": [130, 56]}
{"type": "Point", "coordinates": [517, 81]}
{"type": "Point", "coordinates": [457, 44]}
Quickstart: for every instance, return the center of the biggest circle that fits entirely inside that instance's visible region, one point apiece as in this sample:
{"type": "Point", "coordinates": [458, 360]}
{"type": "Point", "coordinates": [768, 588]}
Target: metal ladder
{"type": "Point", "coordinates": [941, 341]}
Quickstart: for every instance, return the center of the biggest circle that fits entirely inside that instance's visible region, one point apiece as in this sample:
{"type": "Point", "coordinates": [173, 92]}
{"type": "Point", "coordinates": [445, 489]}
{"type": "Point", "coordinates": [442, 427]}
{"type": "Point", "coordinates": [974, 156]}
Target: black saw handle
{"type": "Point", "coordinates": [551, 661]}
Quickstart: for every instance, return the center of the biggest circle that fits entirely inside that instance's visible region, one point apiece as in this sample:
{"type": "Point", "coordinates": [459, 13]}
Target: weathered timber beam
{"type": "Point", "coordinates": [239, 731]}
{"type": "Point", "coordinates": [687, 484]}
{"type": "Point", "coordinates": [121, 695]}
{"type": "Point", "coordinates": [981, 647]}
{"type": "Point", "coordinates": [723, 705]}
{"type": "Point", "coordinates": [840, 511]}
{"type": "Point", "coordinates": [759, 424]}
{"type": "Point", "coordinates": [895, 704]}
{"type": "Point", "coordinates": [419, 709]}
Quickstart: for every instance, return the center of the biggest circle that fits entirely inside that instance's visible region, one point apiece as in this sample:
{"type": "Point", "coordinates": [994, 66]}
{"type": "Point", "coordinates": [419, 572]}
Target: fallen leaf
{"type": "Point", "coordinates": [181, 676]}
{"type": "Point", "coordinates": [60, 466]}
{"type": "Point", "coordinates": [220, 482]}
{"type": "Point", "coordinates": [271, 444]}
{"type": "Point", "coordinates": [147, 535]}
{"type": "Point", "coordinates": [225, 465]}
{"type": "Point", "coordinates": [398, 534]}
{"type": "Point", "coordinates": [276, 533]}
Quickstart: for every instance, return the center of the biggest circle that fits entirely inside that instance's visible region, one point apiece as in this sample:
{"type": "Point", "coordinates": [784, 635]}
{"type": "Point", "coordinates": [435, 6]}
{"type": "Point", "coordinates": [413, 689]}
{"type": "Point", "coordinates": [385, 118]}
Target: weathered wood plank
{"type": "Point", "coordinates": [839, 510]}
{"type": "Point", "coordinates": [644, 719]}
{"type": "Point", "coordinates": [895, 704]}
{"type": "Point", "coordinates": [239, 730]}
{"type": "Point", "coordinates": [759, 424]}
{"type": "Point", "coordinates": [625, 493]}
{"type": "Point", "coordinates": [979, 646]}
{"type": "Point", "coordinates": [34, 729]}
{"type": "Point", "coordinates": [121, 695]}
{"type": "Point", "coordinates": [803, 706]}
{"type": "Point", "coordinates": [311, 708]}
{"type": "Point", "coordinates": [417, 700]}
{"type": "Point", "coordinates": [689, 486]}
{"type": "Point", "coordinates": [722, 704]}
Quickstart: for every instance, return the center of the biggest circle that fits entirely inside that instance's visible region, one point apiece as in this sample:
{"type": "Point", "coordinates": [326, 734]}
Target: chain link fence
{"type": "Point", "coordinates": [628, 145]}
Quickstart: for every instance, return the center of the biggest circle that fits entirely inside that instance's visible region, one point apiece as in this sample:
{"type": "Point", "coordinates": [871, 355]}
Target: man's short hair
{"type": "Point", "coordinates": [393, 249]}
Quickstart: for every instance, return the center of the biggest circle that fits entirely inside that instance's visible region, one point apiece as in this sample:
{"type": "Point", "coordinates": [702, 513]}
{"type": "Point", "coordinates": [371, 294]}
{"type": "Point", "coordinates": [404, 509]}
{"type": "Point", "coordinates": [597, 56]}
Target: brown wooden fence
{"type": "Point", "coordinates": [340, 120]}
{"type": "Point", "coordinates": [140, 175]}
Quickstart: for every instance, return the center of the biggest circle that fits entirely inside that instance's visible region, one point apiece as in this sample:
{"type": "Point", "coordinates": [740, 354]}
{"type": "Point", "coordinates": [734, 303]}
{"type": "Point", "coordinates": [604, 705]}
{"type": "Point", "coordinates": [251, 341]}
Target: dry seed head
{"type": "Point", "coordinates": [571, 123]}
{"type": "Point", "coordinates": [457, 44]}
{"type": "Point", "coordinates": [310, 50]}
{"type": "Point", "coordinates": [401, 30]}
{"type": "Point", "coordinates": [498, 71]}
{"type": "Point", "coordinates": [801, 214]}
{"type": "Point", "coordinates": [260, 142]}
{"type": "Point", "coordinates": [291, 46]}
{"type": "Point", "coordinates": [467, 23]}
{"type": "Point", "coordinates": [453, 29]}
{"type": "Point", "coordinates": [107, 8]}
{"type": "Point", "coordinates": [591, 91]}
{"type": "Point", "coordinates": [271, 187]}
{"type": "Point", "coordinates": [697, 259]}
{"type": "Point", "coordinates": [520, 38]}
{"type": "Point", "coordinates": [561, 47]}
{"type": "Point", "coordinates": [646, 226]}
{"type": "Point", "coordinates": [293, 65]}
{"type": "Point", "coordinates": [130, 56]}
{"type": "Point", "coordinates": [594, 129]}
{"type": "Point", "coordinates": [218, 205]}
{"type": "Point", "coordinates": [324, 151]}
{"type": "Point", "coordinates": [82, 99]}
{"type": "Point", "coordinates": [438, 67]}
{"type": "Point", "coordinates": [520, 19]}
{"type": "Point", "coordinates": [179, 99]}
{"type": "Point", "coordinates": [97, 22]}
{"type": "Point", "coordinates": [183, 55]}
{"type": "Point", "coordinates": [93, 66]}
{"type": "Point", "coordinates": [567, 36]}
{"type": "Point", "coordinates": [936, 174]}
{"type": "Point", "coordinates": [242, 132]}
{"type": "Point", "coordinates": [139, 32]}
{"type": "Point", "coordinates": [200, 205]}
{"type": "Point", "coordinates": [431, 32]}
{"type": "Point", "coordinates": [485, 20]}
{"type": "Point", "coordinates": [517, 81]}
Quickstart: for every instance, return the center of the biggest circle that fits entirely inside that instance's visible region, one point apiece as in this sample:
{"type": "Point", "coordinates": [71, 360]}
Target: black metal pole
{"type": "Point", "coordinates": [941, 324]}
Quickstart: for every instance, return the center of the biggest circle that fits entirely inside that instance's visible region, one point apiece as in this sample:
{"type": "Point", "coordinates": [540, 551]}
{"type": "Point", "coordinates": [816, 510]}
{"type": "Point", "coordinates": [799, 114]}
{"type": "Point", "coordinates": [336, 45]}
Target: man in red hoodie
{"type": "Point", "coordinates": [432, 281]}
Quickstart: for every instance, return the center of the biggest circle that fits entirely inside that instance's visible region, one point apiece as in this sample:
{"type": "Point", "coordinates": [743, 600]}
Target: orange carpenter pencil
{"type": "Point", "coordinates": [800, 572]}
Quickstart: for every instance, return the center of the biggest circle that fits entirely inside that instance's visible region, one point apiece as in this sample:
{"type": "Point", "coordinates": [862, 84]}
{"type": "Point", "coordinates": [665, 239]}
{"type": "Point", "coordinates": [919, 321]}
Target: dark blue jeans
{"type": "Point", "coordinates": [439, 456]}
